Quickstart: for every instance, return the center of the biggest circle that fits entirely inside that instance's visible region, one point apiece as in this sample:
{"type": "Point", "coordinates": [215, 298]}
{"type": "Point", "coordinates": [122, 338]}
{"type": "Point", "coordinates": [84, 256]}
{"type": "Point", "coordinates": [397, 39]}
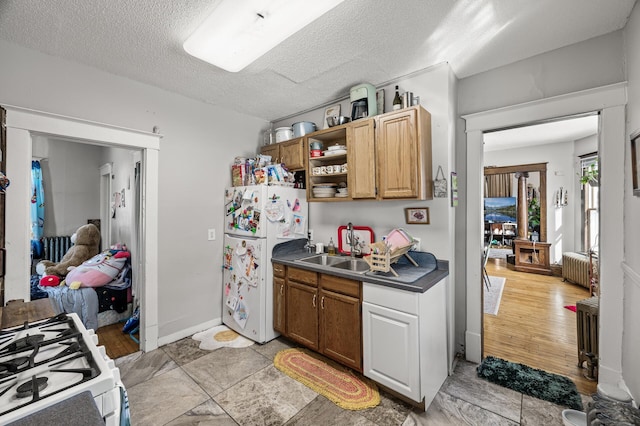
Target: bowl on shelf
{"type": "Point", "coordinates": [316, 145]}
{"type": "Point", "coordinates": [316, 153]}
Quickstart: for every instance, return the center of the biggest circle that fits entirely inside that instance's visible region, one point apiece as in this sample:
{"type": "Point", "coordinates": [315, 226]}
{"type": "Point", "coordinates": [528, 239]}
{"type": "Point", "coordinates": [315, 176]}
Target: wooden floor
{"type": "Point", "coordinates": [115, 341]}
{"type": "Point", "coordinates": [533, 327]}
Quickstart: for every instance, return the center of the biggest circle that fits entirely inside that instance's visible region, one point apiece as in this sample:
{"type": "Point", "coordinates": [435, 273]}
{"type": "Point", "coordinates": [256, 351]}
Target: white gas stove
{"type": "Point", "coordinates": [48, 361]}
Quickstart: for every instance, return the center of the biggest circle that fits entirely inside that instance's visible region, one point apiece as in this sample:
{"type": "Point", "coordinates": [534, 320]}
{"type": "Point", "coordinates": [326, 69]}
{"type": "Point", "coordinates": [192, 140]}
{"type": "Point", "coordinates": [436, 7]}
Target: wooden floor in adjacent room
{"type": "Point", "coordinates": [533, 327]}
{"type": "Point", "coordinates": [116, 342]}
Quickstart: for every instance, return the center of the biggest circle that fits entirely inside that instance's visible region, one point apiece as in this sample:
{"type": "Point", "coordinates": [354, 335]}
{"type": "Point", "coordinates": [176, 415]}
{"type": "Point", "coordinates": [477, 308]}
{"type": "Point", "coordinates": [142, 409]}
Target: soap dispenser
{"type": "Point", "coordinates": [331, 248]}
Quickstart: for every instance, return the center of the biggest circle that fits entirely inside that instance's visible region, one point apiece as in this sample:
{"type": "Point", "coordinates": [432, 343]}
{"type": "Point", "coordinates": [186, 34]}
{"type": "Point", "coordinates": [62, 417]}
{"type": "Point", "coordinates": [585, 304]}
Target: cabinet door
{"type": "Point", "coordinates": [279, 304]}
{"type": "Point", "coordinates": [397, 155]}
{"type": "Point", "coordinates": [302, 314]}
{"type": "Point", "coordinates": [292, 154]}
{"type": "Point", "coordinates": [340, 328]}
{"type": "Point", "coordinates": [272, 150]}
{"type": "Point", "coordinates": [390, 346]}
{"type": "Point", "coordinates": [362, 160]}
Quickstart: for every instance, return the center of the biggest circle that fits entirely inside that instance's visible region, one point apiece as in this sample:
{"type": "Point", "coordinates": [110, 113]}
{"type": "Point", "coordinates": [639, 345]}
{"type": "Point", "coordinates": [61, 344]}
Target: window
{"type": "Point", "coordinates": [590, 192]}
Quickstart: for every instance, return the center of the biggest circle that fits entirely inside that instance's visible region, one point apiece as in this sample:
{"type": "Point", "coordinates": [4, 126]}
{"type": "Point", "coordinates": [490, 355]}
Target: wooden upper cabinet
{"type": "Point", "coordinates": [362, 159]}
{"type": "Point", "coordinates": [290, 152]}
{"type": "Point", "coordinates": [403, 153]}
{"type": "Point", "coordinates": [272, 150]}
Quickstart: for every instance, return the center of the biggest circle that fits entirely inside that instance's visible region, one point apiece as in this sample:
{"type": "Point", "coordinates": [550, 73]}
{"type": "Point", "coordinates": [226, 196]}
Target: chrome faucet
{"type": "Point", "coordinates": [352, 240]}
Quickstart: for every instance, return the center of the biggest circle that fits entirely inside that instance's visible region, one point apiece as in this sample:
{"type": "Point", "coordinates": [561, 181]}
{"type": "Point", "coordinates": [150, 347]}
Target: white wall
{"type": "Point", "coordinates": [123, 180]}
{"type": "Point", "coordinates": [436, 88]}
{"type": "Point", "coordinates": [560, 172]}
{"type": "Point", "coordinates": [199, 144]}
{"type": "Point", "coordinates": [631, 265]}
{"type": "Point", "coordinates": [591, 63]}
{"type": "Point", "coordinates": [71, 184]}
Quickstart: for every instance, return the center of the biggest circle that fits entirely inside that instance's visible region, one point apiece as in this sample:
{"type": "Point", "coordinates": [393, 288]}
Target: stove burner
{"type": "Point", "coordinates": [27, 342]}
{"type": "Point", "coordinates": [13, 365]}
{"type": "Point", "coordinates": [32, 387]}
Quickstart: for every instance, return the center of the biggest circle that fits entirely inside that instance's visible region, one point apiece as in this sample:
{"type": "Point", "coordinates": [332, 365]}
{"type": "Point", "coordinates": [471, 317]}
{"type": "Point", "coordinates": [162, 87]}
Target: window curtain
{"type": "Point", "coordinates": [37, 211]}
{"type": "Point", "coordinates": [499, 185]}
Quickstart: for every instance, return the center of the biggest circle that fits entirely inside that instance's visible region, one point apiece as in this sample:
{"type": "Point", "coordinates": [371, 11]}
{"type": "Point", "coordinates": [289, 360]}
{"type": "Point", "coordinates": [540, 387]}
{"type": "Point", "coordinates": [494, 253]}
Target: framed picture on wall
{"type": "Point", "coordinates": [635, 167]}
{"type": "Point", "coordinates": [417, 215]}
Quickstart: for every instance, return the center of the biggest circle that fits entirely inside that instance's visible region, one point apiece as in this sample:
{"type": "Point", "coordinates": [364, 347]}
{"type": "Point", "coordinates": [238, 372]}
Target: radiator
{"type": "Point", "coordinates": [587, 325]}
{"type": "Point", "coordinates": [575, 268]}
{"type": "Point", "coordinates": [56, 247]}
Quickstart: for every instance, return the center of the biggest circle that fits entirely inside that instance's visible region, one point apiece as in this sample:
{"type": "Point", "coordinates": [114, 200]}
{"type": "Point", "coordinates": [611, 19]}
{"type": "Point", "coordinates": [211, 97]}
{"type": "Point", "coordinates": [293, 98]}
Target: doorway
{"type": "Point", "coordinates": [22, 125]}
{"type": "Point", "coordinates": [534, 322]}
{"type": "Point", "coordinates": [610, 101]}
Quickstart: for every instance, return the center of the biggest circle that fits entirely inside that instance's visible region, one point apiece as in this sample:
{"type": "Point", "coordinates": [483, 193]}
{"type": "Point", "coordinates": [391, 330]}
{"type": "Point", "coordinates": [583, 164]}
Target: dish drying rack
{"type": "Point", "coordinates": [382, 257]}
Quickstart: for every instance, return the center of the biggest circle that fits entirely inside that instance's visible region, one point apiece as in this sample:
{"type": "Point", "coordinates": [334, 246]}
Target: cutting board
{"type": "Point", "coordinates": [363, 234]}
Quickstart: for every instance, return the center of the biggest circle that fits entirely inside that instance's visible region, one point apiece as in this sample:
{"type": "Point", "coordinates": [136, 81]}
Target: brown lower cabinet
{"type": "Point", "coordinates": [324, 313]}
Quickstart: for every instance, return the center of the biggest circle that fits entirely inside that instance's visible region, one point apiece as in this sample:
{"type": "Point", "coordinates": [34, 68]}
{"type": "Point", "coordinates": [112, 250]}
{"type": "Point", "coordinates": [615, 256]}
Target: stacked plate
{"type": "Point", "coordinates": [335, 150]}
{"type": "Point", "coordinates": [327, 190]}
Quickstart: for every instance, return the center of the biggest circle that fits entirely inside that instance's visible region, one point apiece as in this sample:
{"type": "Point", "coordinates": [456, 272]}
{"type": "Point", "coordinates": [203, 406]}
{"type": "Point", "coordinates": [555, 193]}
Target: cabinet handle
{"type": "Point", "coordinates": [313, 302]}
{"type": "Point", "coordinates": [281, 289]}
{"type": "Point", "coordinates": [322, 303]}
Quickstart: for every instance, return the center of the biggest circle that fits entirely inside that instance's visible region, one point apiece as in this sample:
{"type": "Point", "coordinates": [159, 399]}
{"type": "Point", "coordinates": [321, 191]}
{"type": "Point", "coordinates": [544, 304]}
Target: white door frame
{"type": "Point", "coordinates": [21, 124]}
{"type": "Point", "coordinates": [105, 204]}
{"type": "Point", "coordinates": [610, 101]}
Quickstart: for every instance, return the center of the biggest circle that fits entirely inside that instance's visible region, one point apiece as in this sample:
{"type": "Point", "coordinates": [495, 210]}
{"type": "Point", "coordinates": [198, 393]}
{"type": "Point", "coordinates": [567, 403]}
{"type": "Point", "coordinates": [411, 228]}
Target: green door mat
{"type": "Point", "coordinates": [530, 381]}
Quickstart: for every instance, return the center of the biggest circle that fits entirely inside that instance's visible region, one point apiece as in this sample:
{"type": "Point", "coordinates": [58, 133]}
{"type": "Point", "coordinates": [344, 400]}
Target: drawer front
{"type": "Point", "coordinates": [340, 285]}
{"type": "Point", "coordinates": [392, 298]}
{"type": "Point", "coordinates": [303, 276]}
{"type": "Point", "coordinates": [279, 270]}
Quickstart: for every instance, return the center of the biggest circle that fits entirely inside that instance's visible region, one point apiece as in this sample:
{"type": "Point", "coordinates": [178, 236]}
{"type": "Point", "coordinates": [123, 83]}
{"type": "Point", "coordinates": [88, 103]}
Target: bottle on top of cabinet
{"type": "Point", "coordinates": [397, 101]}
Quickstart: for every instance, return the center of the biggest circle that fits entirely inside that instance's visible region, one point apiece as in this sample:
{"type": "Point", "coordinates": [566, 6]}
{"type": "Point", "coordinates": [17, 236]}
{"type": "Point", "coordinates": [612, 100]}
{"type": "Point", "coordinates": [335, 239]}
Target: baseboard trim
{"type": "Point", "coordinates": [174, 337]}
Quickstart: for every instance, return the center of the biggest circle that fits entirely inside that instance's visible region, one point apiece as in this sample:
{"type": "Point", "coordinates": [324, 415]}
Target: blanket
{"type": "Point", "coordinates": [83, 301]}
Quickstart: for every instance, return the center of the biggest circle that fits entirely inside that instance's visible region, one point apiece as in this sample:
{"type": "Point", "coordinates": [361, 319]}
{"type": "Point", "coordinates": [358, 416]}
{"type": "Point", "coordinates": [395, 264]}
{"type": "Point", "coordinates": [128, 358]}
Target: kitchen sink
{"type": "Point", "coordinates": [338, 262]}
{"type": "Point", "coordinates": [353, 265]}
{"type": "Point", "coordinates": [323, 259]}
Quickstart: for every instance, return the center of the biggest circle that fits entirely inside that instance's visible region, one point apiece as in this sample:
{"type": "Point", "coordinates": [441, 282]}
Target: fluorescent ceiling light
{"type": "Point", "coordinates": [240, 31]}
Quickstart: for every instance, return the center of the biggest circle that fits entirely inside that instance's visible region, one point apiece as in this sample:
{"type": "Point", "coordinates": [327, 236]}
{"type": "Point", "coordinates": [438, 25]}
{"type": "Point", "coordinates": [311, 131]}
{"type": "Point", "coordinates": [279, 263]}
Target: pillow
{"type": "Point", "coordinates": [99, 270]}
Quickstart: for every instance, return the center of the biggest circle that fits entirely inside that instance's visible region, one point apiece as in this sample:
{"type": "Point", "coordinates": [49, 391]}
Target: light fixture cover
{"type": "Point", "coordinates": [240, 31]}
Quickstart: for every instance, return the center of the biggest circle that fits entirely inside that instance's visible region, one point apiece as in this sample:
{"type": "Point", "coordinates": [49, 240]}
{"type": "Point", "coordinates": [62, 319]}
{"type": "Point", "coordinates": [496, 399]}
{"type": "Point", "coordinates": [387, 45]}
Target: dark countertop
{"type": "Point", "coordinates": [410, 278]}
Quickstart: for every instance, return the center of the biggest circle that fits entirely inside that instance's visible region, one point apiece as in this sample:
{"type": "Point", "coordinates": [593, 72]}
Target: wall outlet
{"type": "Point", "coordinates": [416, 244]}
{"type": "Point", "coordinates": [211, 234]}
{"type": "Point", "coordinates": [310, 234]}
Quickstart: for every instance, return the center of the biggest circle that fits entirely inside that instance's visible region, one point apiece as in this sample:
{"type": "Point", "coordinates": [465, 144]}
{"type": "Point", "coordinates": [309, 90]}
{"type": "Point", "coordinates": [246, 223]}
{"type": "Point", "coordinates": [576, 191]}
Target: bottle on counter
{"type": "Point", "coordinates": [397, 100]}
{"type": "Point", "coordinates": [331, 248]}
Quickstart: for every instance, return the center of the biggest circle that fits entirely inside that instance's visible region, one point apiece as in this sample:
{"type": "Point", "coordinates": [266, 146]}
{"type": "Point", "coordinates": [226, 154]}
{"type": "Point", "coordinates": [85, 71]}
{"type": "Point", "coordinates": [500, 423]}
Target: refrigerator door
{"type": "Point", "coordinates": [286, 214]}
{"type": "Point", "coordinates": [245, 212]}
{"type": "Point", "coordinates": [245, 290]}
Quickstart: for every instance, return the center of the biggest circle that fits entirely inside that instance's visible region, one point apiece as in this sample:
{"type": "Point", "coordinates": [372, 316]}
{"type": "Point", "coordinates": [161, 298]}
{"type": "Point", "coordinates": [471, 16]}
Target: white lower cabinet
{"type": "Point", "coordinates": [390, 347]}
{"type": "Point", "coordinates": [404, 339]}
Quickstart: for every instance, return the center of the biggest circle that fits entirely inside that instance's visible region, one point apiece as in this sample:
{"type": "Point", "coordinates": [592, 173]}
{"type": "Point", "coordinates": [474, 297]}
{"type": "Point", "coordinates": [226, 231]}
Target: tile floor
{"type": "Point", "coordinates": [179, 384]}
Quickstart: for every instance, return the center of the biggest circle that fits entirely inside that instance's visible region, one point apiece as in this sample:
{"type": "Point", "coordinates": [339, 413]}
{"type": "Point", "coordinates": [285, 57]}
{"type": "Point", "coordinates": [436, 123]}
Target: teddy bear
{"type": "Point", "coordinates": [87, 245]}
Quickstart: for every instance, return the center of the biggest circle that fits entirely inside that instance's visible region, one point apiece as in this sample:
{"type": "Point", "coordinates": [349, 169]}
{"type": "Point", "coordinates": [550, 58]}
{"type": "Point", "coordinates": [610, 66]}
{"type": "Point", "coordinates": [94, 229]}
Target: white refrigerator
{"type": "Point", "coordinates": [256, 219]}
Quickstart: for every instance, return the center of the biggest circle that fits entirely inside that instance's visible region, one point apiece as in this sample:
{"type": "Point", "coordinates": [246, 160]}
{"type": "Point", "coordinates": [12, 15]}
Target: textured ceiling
{"type": "Point", "coordinates": [374, 41]}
